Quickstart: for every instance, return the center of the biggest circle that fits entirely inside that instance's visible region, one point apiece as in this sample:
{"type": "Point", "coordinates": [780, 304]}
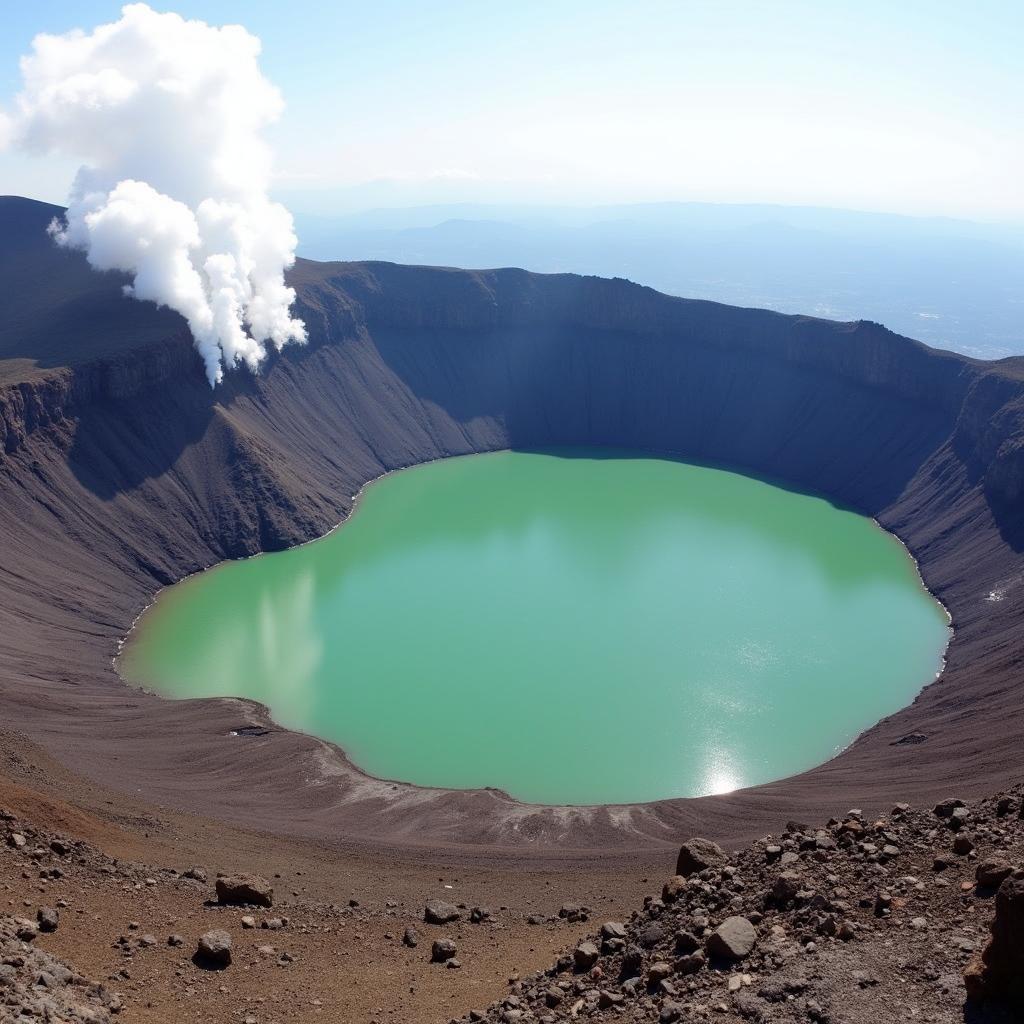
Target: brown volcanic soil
{"type": "Point", "coordinates": [351, 960]}
{"type": "Point", "coordinates": [879, 923]}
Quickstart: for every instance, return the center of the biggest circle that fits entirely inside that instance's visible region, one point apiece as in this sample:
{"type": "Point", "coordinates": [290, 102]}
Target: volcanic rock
{"type": "Point", "coordinates": [733, 939]}
{"type": "Point", "coordinates": [440, 912]}
{"type": "Point", "coordinates": [651, 935]}
{"type": "Point", "coordinates": [696, 855]}
{"type": "Point", "coordinates": [442, 950]}
{"type": "Point", "coordinates": [691, 963]}
{"type": "Point", "coordinates": [963, 845]}
{"type": "Point", "coordinates": [572, 912]}
{"type": "Point", "coordinates": [48, 919]}
{"type": "Point", "coordinates": [991, 873]}
{"type": "Point", "coordinates": [672, 888]}
{"type": "Point", "coordinates": [659, 972]}
{"type": "Point", "coordinates": [214, 949]}
{"type": "Point", "coordinates": [553, 997]}
{"type": "Point", "coordinates": [999, 971]}
{"type": "Point", "coordinates": [245, 889]}
{"type": "Point", "coordinates": [786, 886]}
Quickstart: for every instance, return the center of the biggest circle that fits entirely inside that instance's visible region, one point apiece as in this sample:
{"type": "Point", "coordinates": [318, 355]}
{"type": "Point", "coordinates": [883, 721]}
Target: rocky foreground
{"type": "Point", "coordinates": [916, 916]}
{"type": "Point", "coordinates": [36, 985]}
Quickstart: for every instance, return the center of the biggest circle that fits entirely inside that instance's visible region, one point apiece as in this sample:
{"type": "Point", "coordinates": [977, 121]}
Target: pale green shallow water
{"type": "Point", "coordinates": [570, 626]}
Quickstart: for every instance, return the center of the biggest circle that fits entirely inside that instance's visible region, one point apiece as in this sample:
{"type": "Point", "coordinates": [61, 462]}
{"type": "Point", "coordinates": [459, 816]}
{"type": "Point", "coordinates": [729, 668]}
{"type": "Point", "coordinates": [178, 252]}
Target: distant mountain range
{"type": "Point", "coordinates": [953, 284]}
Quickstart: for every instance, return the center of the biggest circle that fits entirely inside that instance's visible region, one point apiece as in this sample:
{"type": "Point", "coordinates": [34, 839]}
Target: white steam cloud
{"type": "Point", "coordinates": [167, 115]}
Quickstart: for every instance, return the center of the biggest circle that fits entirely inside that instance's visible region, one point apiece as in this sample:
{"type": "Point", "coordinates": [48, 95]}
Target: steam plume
{"type": "Point", "coordinates": [167, 115]}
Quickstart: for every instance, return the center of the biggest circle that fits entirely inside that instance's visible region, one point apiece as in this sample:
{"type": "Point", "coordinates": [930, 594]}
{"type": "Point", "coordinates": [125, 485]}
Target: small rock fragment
{"type": "Point", "coordinates": [440, 912]}
{"type": "Point", "coordinates": [697, 855]}
{"type": "Point", "coordinates": [733, 939]}
{"type": "Point", "coordinates": [585, 956]}
{"type": "Point", "coordinates": [442, 950]}
{"type": "Point", "coordinates": [214, 949]}
{"type": "Point", "coordinates": [48, 919]}
{"type": "Point", "coordinates": [250, 889]}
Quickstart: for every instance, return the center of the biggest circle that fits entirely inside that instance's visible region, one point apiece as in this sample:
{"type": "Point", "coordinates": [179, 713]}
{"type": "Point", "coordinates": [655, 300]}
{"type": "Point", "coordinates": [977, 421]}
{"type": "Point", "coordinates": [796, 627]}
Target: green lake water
{"type": "Point", "coordinates": [569, 626]}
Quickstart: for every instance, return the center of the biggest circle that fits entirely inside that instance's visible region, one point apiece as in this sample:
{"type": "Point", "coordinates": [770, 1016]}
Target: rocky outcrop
{"type": "Point", "coordinates": [35, 985]}
{"type": "Point", "coordinates": [872, 931]}
{"type": "Point", "coordinates": [998, 973]}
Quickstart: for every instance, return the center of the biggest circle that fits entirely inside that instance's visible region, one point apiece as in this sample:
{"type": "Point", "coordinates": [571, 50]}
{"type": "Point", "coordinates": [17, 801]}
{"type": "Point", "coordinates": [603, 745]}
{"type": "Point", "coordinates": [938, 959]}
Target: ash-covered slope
{"type": "Point", "coordinates": [53, 307]}
{"type": "Point", "coordinates": [122, 471]}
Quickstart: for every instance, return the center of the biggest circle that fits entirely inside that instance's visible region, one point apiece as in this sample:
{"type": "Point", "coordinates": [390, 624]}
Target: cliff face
{"type": "Point", "coordinates": [122, 471]}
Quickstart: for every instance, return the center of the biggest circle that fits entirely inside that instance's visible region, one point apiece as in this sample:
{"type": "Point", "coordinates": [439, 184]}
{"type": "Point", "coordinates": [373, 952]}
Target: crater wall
{"type": "Point", "coordinates": [121, 472]}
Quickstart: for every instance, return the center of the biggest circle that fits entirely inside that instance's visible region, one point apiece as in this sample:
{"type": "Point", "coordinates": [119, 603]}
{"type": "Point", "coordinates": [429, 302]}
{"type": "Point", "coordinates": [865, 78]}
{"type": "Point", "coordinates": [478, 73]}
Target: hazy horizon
{"type": "Point", "coordinates": [845, 163]}
{"type": "Point", "coordinates": [951, 283]}
{"type": "Point", "coordinates": [910, 110]}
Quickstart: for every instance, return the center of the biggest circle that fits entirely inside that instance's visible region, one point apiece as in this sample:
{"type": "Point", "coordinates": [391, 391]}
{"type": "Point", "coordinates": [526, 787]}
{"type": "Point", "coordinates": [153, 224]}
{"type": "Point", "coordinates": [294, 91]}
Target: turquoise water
{"type": "Point", "coordinates": [569, 626]}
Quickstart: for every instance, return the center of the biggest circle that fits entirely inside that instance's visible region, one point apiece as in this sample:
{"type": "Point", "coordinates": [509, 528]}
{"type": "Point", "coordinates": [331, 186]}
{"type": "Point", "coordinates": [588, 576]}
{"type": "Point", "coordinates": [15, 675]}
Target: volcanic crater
{"type": "Point", "coordinates": [122, 472]}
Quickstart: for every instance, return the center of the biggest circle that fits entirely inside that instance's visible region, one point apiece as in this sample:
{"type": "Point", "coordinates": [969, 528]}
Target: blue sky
{"type": "Point", "coordinates": [912, 107]}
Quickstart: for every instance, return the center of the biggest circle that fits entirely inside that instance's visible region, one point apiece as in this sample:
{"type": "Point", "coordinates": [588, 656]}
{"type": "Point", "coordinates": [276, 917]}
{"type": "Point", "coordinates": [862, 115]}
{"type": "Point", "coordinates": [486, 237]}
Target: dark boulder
{"type": "Point", "coordinates": [785, 888]}
{"type": "Point", "coordinates": [733, 939]}
{"type": "Point", "coordinates": [696, 855]}
{"type": "Point", "coordinates": [440, 912]}
{"type": "Point", "coordinates": [585, 956]}
{"type": "Point", "coordinates": [945, 808]}
{"type": "Point", "coordinates": [214, 949]}
{"type": "Point", "coordinates": [998, 973]}
{"type": "Point", "coordinates": [442, 951]}
{"type": "Point", "coordinates": [246, 889]}
{"type": "Point", "coordinates": [991, 873]}
{"type": "Point", "coordinates": [48, 919]}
